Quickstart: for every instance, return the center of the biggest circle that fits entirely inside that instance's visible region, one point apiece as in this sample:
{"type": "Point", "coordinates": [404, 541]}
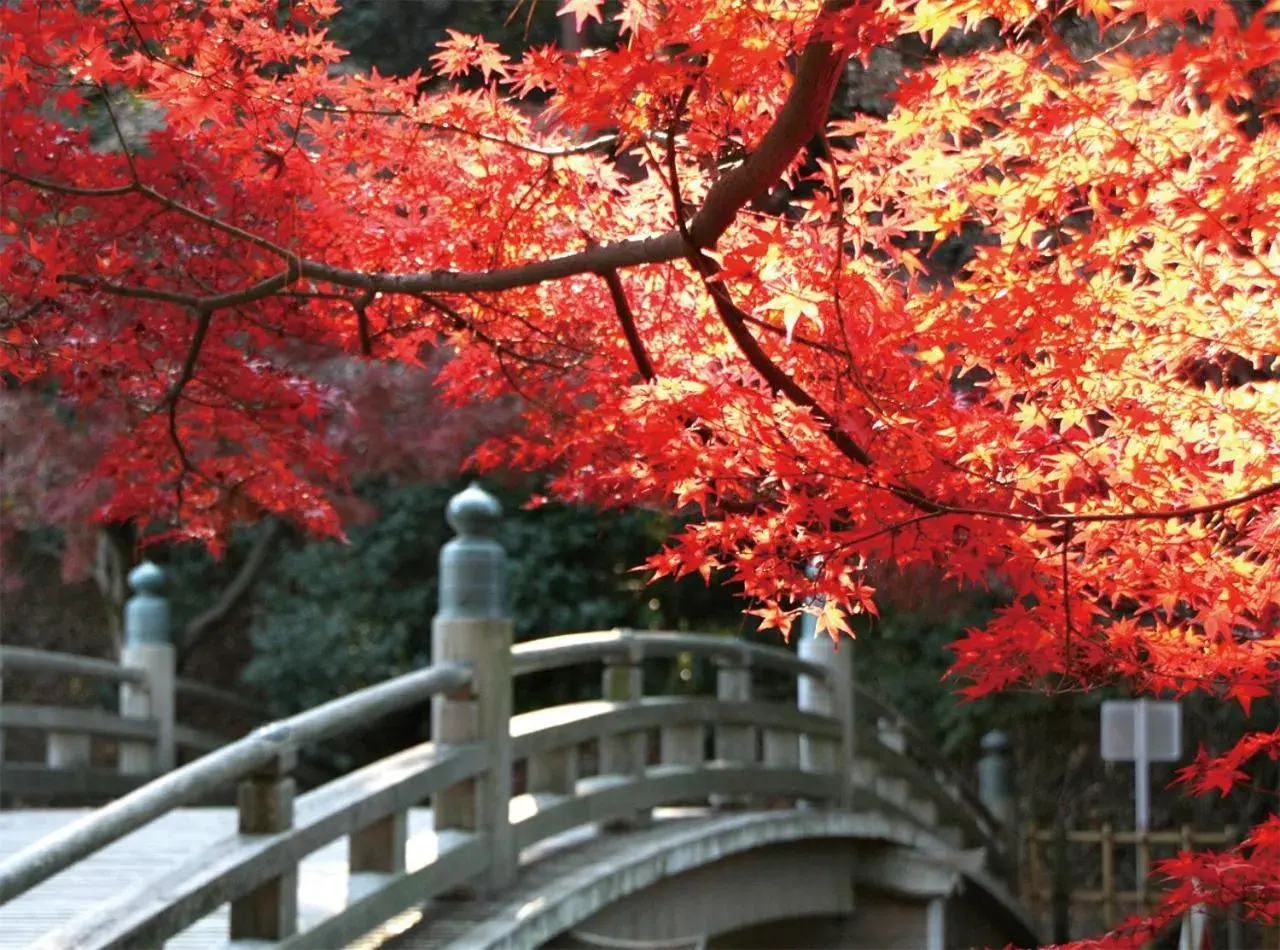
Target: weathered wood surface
{"type": "Point", "coordinates": [147, 853]}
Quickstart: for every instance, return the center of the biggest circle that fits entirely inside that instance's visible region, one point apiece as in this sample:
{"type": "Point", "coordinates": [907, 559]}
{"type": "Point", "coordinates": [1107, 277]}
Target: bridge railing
{"type": "Point", "coordinates": [147, 734]}
{"type": "Point", "coordinates": [732, 749]}
{"type": "Point", "coordinates": [892, 749]}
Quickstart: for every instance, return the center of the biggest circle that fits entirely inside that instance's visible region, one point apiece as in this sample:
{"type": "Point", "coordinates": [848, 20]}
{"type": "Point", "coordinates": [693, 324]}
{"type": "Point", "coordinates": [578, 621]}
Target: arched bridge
{"type": "Point", "coordinates": [634, 822]}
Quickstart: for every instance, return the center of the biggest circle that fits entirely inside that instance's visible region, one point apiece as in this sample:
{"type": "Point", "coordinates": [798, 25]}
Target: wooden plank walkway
{"type": "Point", "coordinates": [148, 853]}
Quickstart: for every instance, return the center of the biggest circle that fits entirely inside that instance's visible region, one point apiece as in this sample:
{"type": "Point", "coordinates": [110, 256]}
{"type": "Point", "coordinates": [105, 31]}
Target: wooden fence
{"type": "Point", "coordinates": [1055, 897]}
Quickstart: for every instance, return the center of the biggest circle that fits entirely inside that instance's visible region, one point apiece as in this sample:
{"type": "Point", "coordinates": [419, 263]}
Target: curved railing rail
{"type": "Point", "coordinates": [912, 756]}
{"type": "Point", "coordinates": [263, 750]}
{"type": "Point", "coordinates": [370, 805]}
{"type": "Point", "coordinates": [888, 744]}
{"type": "Point", "coordinates": [624, 645]}
{"type": "Point", "coordinates": [46, 661]}
{"type": "Point", "coordinates": [148, 734]}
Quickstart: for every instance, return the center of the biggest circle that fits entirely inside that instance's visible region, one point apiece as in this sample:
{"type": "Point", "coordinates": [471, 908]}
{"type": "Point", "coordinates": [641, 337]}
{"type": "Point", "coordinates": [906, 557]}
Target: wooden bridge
{"type": "Point", "coordinates": [630, 821]}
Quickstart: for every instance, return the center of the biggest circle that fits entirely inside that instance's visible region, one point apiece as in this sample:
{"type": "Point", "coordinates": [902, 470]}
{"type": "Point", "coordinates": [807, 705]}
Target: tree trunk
{"type": "Point", "coordinates": [116, 556]}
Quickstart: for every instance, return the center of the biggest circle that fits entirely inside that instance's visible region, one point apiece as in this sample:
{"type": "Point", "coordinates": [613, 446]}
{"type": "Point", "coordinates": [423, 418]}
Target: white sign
{"type": "Point", "coordinates": [1120, 736]}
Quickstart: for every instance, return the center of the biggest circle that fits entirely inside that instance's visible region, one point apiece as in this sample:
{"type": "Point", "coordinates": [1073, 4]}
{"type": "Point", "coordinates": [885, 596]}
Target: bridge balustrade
{"type": "Point", "coordinates": [732, 750]}
{"type": "Point", "coordinates": [144, 738]}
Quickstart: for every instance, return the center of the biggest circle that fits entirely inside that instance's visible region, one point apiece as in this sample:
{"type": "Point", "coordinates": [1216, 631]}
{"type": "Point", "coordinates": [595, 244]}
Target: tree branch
{"type": "Point", "coordinates": [629, 329]}
{"type": "Point", "coordinates": [233, 593]}
{"type": "Point", "coordinates": [361, 306]}
{"type": "Point", "coordinates": [801, 116]}
{"type": "Point", "coordinates": [735, 322]}
{"type": "Point", "coordinates": [203, 319]}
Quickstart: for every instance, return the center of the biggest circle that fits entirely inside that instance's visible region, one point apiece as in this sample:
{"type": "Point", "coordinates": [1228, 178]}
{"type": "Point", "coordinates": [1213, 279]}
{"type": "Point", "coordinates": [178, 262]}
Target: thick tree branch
{"type": "Point", "coordinates": [735, 322]}
{"type": "Point", "coordinates": [233, 593]}
{"type": "Point", "coordinates": [233, 298]}
{"type": "Point", "coordinates": [801, 116]}
{"type": "Point", "coordinates": [629, 329]}
{"type": "Point", "coordinates": [128, 291]}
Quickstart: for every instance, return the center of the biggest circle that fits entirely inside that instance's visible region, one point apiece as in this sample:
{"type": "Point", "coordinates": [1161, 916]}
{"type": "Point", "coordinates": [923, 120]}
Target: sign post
{"type": "Point", "coordinates": [1141, 768]}
{"type": "Point", "coordinates": [1141, 731]}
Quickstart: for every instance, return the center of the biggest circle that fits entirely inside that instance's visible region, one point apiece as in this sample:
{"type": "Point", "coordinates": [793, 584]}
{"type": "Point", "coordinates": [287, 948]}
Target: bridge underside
{"type": "Point", "coordinates": [686, 881]}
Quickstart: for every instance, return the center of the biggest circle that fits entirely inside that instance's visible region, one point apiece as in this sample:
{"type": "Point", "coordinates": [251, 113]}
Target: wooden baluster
{"type": "Point", "coordinates": [66, 750]}
{"type": "Point", "coordinates": [833, 697]}
{"type": "Point", "coordinates": [995, 778]}
{"type": "Point", "coordinates": [625, 753]}
{"type": "Point", "coordinates": [265, 802]}
{"type": "Point", "coordinates": [781, 750]}
{"type": "Point", "coordinates": [683, 744]}
{"type": "Point", "coordinates": [148, 647]}
{"type": "Point", "coordinates": [554, 772]}
{"type": "Point", "coordinates": [473, 626]}
{"type": "Point", "coordinates": [377, 849]}
{"type": "Point", "coordinates": [734, 743]}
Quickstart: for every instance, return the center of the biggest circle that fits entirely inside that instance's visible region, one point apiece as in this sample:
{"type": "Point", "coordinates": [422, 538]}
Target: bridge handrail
{"type": "Point", "coordinates": [927, 755]}
{"type": "Point", "coordinates": [49, 661]}
{"type": "Point", "coordinates": [627, 644]}
{"type": "Point", "coordinates": [152, 736]}
{"type": "Point", "coordinates": [620, 643]}
{"type": "Point", "coordinates": [799, 749]}
{"type": "Point", "coordinates": [71, 664]}
{"type": "Point", "coordinates": [229, 868]}
{"type": "Point", "coordinates": [58, 851]}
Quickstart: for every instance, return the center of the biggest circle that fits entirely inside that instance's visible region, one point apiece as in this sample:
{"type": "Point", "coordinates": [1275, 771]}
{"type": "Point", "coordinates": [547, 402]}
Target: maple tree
{"type": "Point", "coordinates": [704, 293]}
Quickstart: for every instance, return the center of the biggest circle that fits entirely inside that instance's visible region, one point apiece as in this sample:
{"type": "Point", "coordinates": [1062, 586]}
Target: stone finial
{"type": "Point", "coordinates": [995, 741]}
{"type": "Point", "coordinates": [473, 566]}
{"type": "Point", "coordinates": [146, 614]}
{"type": "Point", "coordinates": [473, 512]}
{"type": "Point", "coordinates": [147, 578]}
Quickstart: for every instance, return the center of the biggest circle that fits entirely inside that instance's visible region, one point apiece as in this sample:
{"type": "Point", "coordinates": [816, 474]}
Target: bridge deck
{"type": "Point", "coordinates": [147, 853]}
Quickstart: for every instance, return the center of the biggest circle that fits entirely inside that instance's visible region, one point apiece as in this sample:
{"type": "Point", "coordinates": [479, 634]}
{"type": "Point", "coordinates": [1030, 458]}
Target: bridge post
{"type": "Point", "coordinates": [834, 698]}
{"type": "Point", "coordinates": [265, 801]}
{"type": "Point", "coordinates": [995, 778]}
{"type": "Point", "coordinates": [148, 646]}
{"type": "Point", "coordinates": [474, 626]}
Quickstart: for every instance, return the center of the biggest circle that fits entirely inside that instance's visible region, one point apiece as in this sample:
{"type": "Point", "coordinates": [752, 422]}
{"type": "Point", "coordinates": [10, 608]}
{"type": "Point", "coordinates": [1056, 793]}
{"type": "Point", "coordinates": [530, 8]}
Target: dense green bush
{"type": "Point", "coordinates": [333, 617]}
